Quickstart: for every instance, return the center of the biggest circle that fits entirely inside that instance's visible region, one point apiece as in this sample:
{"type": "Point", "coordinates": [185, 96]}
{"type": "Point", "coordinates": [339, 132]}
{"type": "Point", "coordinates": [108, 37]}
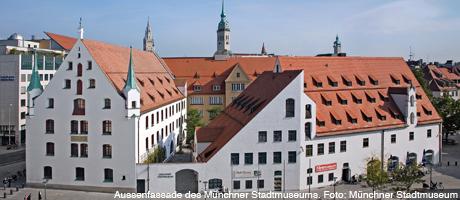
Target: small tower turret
{"type": "Point", "coordinates": [263, 51]}
{"type": "Point", "coordinates": [337, 46]}
{"type": "Point", "coordinates": [81, 31]}
{"type": "Point", "coordinates": [223, 36]}
{"type": "Point", "coordinates": [148, 38]}
{"type": "Point", "coordinates": [35, 88]}
{"type": "Point", "coordinates": [131, 91]}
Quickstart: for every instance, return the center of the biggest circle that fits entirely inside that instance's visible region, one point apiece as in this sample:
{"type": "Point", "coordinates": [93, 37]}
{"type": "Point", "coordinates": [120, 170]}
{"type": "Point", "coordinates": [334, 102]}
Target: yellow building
{"type": "Point", "coordinates": [213, 84]}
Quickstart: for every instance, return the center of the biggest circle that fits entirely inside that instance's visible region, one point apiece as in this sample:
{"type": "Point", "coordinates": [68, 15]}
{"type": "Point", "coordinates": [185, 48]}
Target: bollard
{"type": "Point", "coordinates": [17, 188]}
{"type": "Point", "coordinates": [448, 163]}
{"type": "Point", "coordinates": [4, 195]}
{"type": "Point", "coordinates": [11, 192]}
{"type": "Point", "coordinates": [456, 164]}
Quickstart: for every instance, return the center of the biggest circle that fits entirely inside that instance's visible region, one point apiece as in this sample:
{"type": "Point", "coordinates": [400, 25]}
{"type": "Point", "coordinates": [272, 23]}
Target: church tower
{"type": "Point", "coordinates": [223, 36]}
{"type": "Point", "coordinates": [131, 91]}
{"type": "Point", "coordinates": [337, 46]}
{"type": "Point", "coordinates": [148, 38]}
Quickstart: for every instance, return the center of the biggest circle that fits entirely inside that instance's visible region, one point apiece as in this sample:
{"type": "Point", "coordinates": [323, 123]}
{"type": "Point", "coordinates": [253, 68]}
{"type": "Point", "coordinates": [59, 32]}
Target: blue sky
{"type": "Point", "coordinates": [288, 27]}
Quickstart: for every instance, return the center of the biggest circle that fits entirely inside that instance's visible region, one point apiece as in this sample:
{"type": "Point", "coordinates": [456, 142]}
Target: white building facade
{"type": "Point", "coordinates": [105, 109]}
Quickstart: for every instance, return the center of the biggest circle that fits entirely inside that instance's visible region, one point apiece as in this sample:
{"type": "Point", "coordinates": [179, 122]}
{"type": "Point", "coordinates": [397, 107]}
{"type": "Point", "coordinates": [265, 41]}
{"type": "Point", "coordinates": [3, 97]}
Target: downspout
{"type": "Point", "coordinates": [440, 144]}
{"type": "Point", "coordinates": [382, 150]}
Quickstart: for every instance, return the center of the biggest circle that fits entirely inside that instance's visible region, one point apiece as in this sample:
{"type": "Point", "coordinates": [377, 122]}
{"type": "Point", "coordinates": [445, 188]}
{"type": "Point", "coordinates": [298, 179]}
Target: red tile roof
{"type": "Point", "coordinates": [242, 110]}
{"type": "Point", "coordinates": [441, 79]}
{"type": "Point", "coordinates": [209, 72]}
{"type": "Point", "coordinates": [382, 70]}
{"type": "Point", "coordinates": [155, 82]}
{"type": "Point", "coordinates": [64, 41]}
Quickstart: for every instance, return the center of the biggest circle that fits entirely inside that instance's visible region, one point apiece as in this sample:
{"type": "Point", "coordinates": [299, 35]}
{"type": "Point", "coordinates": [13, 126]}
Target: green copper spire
{"type": "Point", "coordinates": [222, 14]}
{"type": "Point", "coordinates": [131, 79]}
{"type": "Point", "coordinates": [35, 77]}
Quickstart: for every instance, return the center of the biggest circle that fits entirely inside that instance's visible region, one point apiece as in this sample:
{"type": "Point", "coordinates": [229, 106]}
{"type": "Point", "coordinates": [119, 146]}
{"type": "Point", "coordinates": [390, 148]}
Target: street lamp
{"type": "Point", "coordinates": [9, 124]}
{"type": "Point", "coordinates": [45, 181]}
{"type": "Point", "coordinates": [335, 181]}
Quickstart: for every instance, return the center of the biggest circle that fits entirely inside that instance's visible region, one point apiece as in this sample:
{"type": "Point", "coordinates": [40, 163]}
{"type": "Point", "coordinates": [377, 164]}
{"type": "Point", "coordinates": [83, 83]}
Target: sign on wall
{"type": "Point", "coordinates": [165, 175]}
{"type": "Point", "coordinates": [245, 174]}
{"type": "Point", "coordinates": [325, 167]}
{"type": "Point", "coordinates": [6, 78]}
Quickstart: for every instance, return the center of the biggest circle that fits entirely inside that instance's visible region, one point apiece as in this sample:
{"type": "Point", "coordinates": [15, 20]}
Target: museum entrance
{"type": "Point", "coordinates": [187, 181]}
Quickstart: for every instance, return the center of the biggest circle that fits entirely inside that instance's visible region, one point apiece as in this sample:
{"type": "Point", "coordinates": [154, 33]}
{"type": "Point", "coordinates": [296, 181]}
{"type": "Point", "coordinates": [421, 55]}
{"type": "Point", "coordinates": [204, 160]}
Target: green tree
{"type": "Point", "coordinates": [376, 177]}
{"type": "Point", "coordinates": [157, 156]}
{"type": "Point", "coordinates": [193, 121]}
{"type": "Point", "coordinates": [449, 109]}
{"type": "Point", "coordinates": [214, 112]}
{"type": "Point", "coordinates": [421, 79]}
{"type": "Point", "coordinates": [407, 175]}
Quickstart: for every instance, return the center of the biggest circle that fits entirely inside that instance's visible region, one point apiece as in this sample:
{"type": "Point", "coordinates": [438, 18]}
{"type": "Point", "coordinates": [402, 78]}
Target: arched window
{"type": "Point", "coordinates": [107, 151]}
{"type": "Point", "coordinates": [307, 111]}
{"type": "Point", "coordinates": [106, 127]}
{"type": "Point", "coordinates": [289, 107]}
{"type": "Point", "coordinates": [48, 172]}
{"type": "Point", "coordinates": [308, 130]}
{"type": "Point", "coordinates": [79, 107]}
{"type": "Point", "coordinates": [393, 163]}
{"type": "Point", "coordinates": [79, 69]}
{"type": "Point", "coordinates": [50, 149]}
{"type": "Point", "coordinates": [412, 101]}
{"type": "Point", "coordinates": [411, 158]}
{"type": "Point", "coordinates": [49, 126]}
{"type": "Point", "coordinates": [79, 87]}
{"type": "Point", "coordinates": [427, 156]}
{"type": "Point", "coordinates": [108, 175]}
{"type": "Point", "coordinates": [412, 118]}
{"type": "Point", "coordinates": [147, 143]}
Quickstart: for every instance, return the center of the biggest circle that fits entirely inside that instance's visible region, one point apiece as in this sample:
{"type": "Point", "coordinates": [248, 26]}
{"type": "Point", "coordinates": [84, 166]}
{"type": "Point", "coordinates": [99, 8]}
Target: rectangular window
{"type": "Point", "coordinates": [74, 127]}
{"type": "Point", "coordinates": [108, 105]}
{"type": "Point", "coordinates": [84, 150]}
{"type": "Point", "coordinates": [365, 142]}
{"type": "Point", "coordinates": [292, 157]}
{"type": "Point", "coordinates": [343, 146]}
{"type": "Point", "coordinates": [67, 84]}
{"type": "Point", "coordinates": [331, 177]}
{"type": "Point", "coordinates": [320, 178]}
{"type": "Point", "coordinates": [79, 174]}
{"type": "Point", "coordinates": [260, 183]}
{"type": "Point", "coordinates": [309, 150]}
{"type": "Point", "coordinates": [235, 158]}
{"type": "Point", "coordinates": [277, 157]}
{"type": "Point", "coordinates": [292, 135]}
{"type": "Point", "coordinates": [70, 66]}
{"type": "Point", "coordinates": [50, 103]}
{"type": "Point", "coordinates": [277, 136]}
{"type": "Point", "coordinates": [393, 138]}
{"type": "Point", "coordinates": [236, 185]}
{"type": "Point", "coordinates": [73, 150]}
{"type": "Point", "coordinates": [262, 158]}
{"type": "Point", "coordinates": [321, 149]}
{"type": "Point", "coordinates": [90, 65]}
{"type": "Point", "coordinates": [262, 136]}
{"type": "Point", "coordinates": [216, 100]}
{"type": "Point", "coordinates": [411, 136]}
{"type": "Point", "coordinates": [236, 87]}
{"type": "Point", "coordinates": [23, 102]}
{"type": "Point", "coordinates": [23, 115]}
{"type": "Point", "coordinates": [23, 90]}
{"type": "Point", "coordinates": [83, 127]}
{"type": "Point", "coordinates": [50, 149]}
{"type": "Point", "coordinates": [107, 127]}
{"type": "Point", "coordinates": [428, 133]}
{"type": "Point", "coordinates": [216, 88]}
{"type": "Point", "coordinates": [248, 158]}
{"type": "Point", "coordinates": [248, 184]}
{"type": "Point", "coordinates": [196, 100]}
{"type": "Point", "coordinates": [331, 147]}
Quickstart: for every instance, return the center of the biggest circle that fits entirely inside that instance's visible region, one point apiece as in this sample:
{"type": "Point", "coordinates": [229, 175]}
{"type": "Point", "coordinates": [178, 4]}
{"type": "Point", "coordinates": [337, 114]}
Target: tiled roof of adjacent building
{"type": "Point", "coordinates": [153, 79]}
{"type": "Point", "coordinates": [353, 90]}
{"type": "Point", "coordinates": [242, 110]}
{"type": "Point", "coordinates": [358, 89]}
{"type": "Point", "coordinates": [441, 78]}
{"type": "Point", "coordinates": [208, 72]}
{"type": "Point", "coordinates": [64, 41]}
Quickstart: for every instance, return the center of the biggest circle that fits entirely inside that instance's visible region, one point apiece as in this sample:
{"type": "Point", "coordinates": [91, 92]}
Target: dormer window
{"type": "Point", "coordinates": [326, 100]}
{"type": "Point", "coordinates": [370, 98]}
{"type": "Point", "coordinates": [406, 79]}
{"type": "Point", "coordinates": [380, 116]}
{"type": "Point", "coordinates": [216, 88]}
{"type": "Point", "coordinates": [342, 100]}
{"type": "Point", "coordinates": [373, 80]}
{"type": "Point", "coordinates": [351, 119]}
{"type": "Point", "coordinates": [332, 81]}
{"type": "Point", "coordinates": [426, 111]}
{"type": "Point", "coordinates": [335, 120]}
{"type": "Point", "coordinates": [360, 80]}
{"type": "Point", "coordinates": [395, 79]}
{"type": "Point", "coordinates": [346, 81]}
{"type": "Point", "coordinates": [197, 88]}
{"type": "Point", "coordinates": [320, 123]}
{"type": "Point", "coordinates": [382, 96]}
{"type": "Point", "coordinates": [317, 82]}
{"type": "Point", "coordinates": [366, 117]}
{"type": "Point", "coordinates": [356, 99]}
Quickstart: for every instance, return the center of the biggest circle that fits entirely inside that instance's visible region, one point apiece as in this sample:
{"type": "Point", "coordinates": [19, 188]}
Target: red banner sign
{"type": "Point", "coordinates": [325, 167]}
